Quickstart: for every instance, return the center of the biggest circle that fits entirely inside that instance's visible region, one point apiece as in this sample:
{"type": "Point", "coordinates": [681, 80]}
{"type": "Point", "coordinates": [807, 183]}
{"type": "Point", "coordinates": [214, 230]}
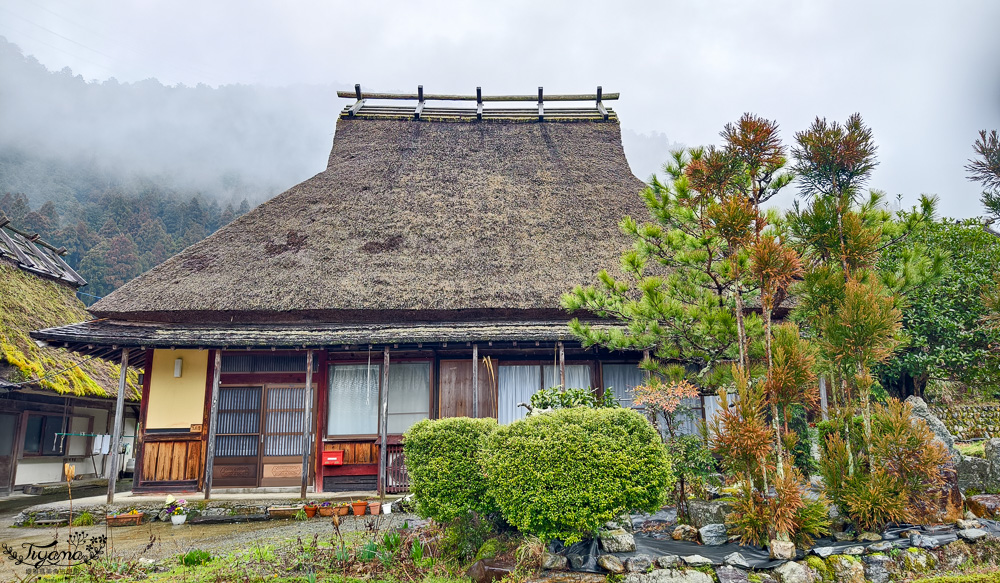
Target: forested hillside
{"type": "Point", "coordinates": [113, 236]}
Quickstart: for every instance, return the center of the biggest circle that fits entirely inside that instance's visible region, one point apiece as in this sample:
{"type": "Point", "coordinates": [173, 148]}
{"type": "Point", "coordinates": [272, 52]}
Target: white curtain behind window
{"type": "Point", "coordinates": [353, 399]}
{"type": "Point", "coordinates": [409, 394]}
{"type": "Point", "coordinates": [577, 376]}
{"type": "Point", "coordinates": [517, 384]}
{"type": "Point", "coordinates": [621, 380]}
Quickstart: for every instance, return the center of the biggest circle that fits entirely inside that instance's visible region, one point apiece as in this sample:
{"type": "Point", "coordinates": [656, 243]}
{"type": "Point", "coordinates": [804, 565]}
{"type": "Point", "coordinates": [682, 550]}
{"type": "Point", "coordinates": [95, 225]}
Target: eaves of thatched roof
{"type": "Point", "coordinates": [413, 220]}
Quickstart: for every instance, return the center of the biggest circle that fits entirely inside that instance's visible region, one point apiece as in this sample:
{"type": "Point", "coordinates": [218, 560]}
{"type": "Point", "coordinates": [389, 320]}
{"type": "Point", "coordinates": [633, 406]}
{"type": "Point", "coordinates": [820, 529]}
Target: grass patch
{"type": "Point", "coordinates": [970, 578]}
{"type": "Point", "coordinates": [972, 449]}
{"type": "Point", "coordinates": [85, 519]}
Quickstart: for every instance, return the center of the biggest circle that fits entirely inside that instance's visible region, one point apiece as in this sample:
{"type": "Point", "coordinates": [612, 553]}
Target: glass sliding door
{"type": "Point", "coordinates": [237, 437]}
{"type": "Point", "coordinates": [353, 402]}
{"type": "Point", "coordinates": [517, 384]}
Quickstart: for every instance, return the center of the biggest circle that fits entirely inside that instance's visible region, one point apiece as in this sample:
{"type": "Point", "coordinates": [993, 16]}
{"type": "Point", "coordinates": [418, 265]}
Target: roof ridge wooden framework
{"type": "Point", "coordinates": [363, 110]}
{"type": "Point", "coordinates": [29, 252]}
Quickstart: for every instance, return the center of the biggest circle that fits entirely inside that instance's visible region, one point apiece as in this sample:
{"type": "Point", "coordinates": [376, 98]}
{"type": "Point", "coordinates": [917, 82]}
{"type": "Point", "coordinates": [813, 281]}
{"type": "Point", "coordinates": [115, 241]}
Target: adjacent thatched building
{"type": "Point", "coordinates": [420, 273]}
{"type": "Point", "coordinates": [52, 411]}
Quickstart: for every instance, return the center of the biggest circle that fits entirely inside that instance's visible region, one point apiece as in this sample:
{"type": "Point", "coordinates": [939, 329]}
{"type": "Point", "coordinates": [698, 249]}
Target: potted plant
{"type": "Point", "coordinates": [131, 518]}
{"type": "Point", "coordinates": [374, 506]}
{"type": "Point", "coordinates": [310, 508]}
{"type": "Point", "coordinates": [359, 506]}
{"type": "Point", "coordinates": [343, 509]}
{"type": "Point", "coordinates": [327, 508]}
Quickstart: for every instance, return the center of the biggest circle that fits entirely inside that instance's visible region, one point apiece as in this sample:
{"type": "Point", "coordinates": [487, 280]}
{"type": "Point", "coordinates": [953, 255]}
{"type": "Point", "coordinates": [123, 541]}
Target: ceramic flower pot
{"type": "Point", "coordinates": [359, 508]}
{"type": "Point", "coordinates": [310, 510]}
{"type": "Point", "coordinates": [178, 519]}
{"type": "Point", "coordinates": [374, 507]}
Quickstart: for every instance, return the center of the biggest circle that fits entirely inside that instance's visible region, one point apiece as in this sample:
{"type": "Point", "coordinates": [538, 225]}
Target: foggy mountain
{"type": "Point", "coordinates": [60, 134]}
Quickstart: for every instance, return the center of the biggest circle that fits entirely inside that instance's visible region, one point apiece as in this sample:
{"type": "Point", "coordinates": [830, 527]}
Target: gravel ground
{"type": "Point", "coordinates": [169, 541]}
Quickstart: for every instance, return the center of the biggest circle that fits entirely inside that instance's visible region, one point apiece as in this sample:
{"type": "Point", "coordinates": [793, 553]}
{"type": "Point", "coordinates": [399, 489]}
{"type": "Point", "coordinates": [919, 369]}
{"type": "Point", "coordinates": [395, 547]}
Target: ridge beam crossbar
{"type": "Point", "coordinates": [484, 98]}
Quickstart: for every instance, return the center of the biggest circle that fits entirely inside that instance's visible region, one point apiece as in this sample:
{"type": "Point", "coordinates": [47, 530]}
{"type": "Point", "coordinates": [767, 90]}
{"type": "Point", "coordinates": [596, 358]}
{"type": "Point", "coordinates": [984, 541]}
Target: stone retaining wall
{"type": "Point", "coordinates": [970, 421]}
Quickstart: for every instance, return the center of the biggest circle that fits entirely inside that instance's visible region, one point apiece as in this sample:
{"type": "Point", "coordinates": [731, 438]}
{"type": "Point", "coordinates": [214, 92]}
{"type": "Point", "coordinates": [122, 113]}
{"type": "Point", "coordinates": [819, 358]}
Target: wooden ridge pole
{"type": "Point", "coordinates": [212, 417]}
{"type": "Point", "coordinates": [116, 437]}
{"type": "Point", "coordinates": [307, 423]}
{"type": "Point", "coordinates": [383, 424]}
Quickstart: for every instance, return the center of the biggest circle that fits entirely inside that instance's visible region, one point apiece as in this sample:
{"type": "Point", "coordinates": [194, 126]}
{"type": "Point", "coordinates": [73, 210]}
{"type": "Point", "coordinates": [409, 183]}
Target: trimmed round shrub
{"type": "Point", "coordinates": [441, 461]}
{"type": "Point", "coordinates": [564, 474]}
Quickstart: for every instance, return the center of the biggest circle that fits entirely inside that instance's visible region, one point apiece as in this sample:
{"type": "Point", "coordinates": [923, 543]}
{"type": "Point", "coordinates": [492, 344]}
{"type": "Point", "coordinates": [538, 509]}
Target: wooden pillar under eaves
{"type": "Point", "coordinates": [383, 424]}
{"type": "Point", "coordinates": [212, 417]}
{"type": "Point", "coordinates": [562, 366]}
{"type": "Point", "coordinates": [116, 437]}
{"type": "Point", "coordinates": [307, 424]}
{"type": "Point", "coordinates": [475, 381]}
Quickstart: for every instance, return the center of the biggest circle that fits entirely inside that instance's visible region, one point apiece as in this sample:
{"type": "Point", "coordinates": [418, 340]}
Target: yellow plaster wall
{"type": "Point", "coordinates": [176, 403]}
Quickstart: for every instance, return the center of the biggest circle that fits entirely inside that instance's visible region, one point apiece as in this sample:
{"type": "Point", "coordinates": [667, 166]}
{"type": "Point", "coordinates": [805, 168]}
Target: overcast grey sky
{"type": "Point", "coordinates": [925, 75]}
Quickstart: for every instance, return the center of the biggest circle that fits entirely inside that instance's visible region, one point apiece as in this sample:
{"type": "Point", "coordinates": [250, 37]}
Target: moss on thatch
{"type": "Point", "coordinates": [28, 302]}
{"type": "Point", "coordinates": [412, 221]}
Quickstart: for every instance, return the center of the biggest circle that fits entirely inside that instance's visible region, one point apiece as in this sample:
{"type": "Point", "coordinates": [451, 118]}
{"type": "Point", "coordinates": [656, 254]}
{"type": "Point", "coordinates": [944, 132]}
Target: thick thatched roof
{"type": "Point", "coordinates": [411, 221]}
{"type": "Point", "coordinates": [28, 302]}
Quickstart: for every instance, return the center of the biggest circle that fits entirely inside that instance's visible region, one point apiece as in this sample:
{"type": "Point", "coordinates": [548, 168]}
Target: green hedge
{"type": "Point", "coordinates": [564, 474]}
{"type": "Point", "coordinates": [441, 461]}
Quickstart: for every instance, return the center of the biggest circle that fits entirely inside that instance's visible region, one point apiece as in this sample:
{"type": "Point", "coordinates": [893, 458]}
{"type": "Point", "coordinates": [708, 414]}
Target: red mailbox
{"type": "Point", "coordinates": [333, 458]}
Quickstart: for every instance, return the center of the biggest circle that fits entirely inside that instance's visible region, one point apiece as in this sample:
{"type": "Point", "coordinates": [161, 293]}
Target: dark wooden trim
{"type": "Point", "coordinates": [140, 425]}
{"type": "Point", "coordinates": [321, 417]}
{"type": "Point", "coordinates": [166, 486]}
{"type": "Point", "coordinates": [171, 437]}
{"type": "Point", "coordinates": [353, 470]}
{"type": "Point", "coordinates": [258, 378]}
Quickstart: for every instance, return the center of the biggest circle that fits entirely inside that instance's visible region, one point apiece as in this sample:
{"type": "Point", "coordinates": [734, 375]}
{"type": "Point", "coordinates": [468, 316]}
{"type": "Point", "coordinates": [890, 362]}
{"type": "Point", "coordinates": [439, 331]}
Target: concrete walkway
{"type": "Point", "coordinates": [274, 497]}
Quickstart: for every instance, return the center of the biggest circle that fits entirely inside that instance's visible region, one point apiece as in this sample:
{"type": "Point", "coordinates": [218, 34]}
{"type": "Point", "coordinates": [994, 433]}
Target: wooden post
{"type": "Point", "coordinates": [212, 416]}
{"type": "Point", "coordinates": [475, 381]}
{"type": "Point", "coordinates": [562, 365]}
{"type": "Point", "coordinates": [383, 423]}
{"type": "Point", "coordinates": [116, 437]}
{"type": "Point", "coordinates": [307, 424]}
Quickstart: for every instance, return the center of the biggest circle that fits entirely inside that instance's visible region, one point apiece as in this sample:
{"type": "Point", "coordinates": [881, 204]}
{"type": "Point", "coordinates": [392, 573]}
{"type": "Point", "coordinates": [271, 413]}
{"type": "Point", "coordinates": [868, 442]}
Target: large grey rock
{"type": "Point", "coordinates": [736, 560]}
{"type": "Point", "coordinates": [856, 550]}
{"type": "Point", "coordinates": [846, 569]}
{"type": "Point", "coordinates": [922, 411]}
{"type": "Point", "coordinates": [611, 564]}
{"type": "Point", "coordinates": [992, 454]}
{"type": "Point", "coordinates": [638, 564]}
{"type": "Point", "coordinates": [973, 473]}
{"type": "Point", "coordinates": [672, 576]}
{"type": "Point", "coordinates": [782, 550]}
{"type": "Point", "coordinates": [617, 541]}
{"type": "Point", "coordinates": [483, 571]}
{"type": "Point", "coordinates": [552, 561]}
{"type": "Point", "coordinates": [843, 536]}
{"type": "Point", "coordinates": [730, 574]}
{"type": "Point", "coordinates": [971, 534]}
{"type": "Point", "coordinates": [823, 552]}
{"type": "Point", "coordinates": [877, 568]}
{"type": "Point", "coordinates": [704, 512]}
{"type": "Point", "coordinates": [713, 535]}
{"type": "Point", "coordinates": [869, 537]}
{"type": "Point", "coordinates": [576, 560]}
{"type": "Point", "coordinates": [697, 561]}
{"type": "Point", "coordinates": [965, 523]}
{"type": "Point", "coordinates": [881, 547]}
{"type": "Point", "coordinates": [668, 561]}
{"type": "Point", "coordinates": [792, 572]}
{"type": "Point", "coordinates": [685, 532]}
{"type": "Point", "coordinates": [923, 542]}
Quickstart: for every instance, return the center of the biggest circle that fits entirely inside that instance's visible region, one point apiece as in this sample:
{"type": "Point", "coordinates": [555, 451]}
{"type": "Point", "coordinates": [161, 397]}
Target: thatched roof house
{"type": "Point", "coordinates": [45, 392]}
{"type": "Point", "coordinates": [434, 237]}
